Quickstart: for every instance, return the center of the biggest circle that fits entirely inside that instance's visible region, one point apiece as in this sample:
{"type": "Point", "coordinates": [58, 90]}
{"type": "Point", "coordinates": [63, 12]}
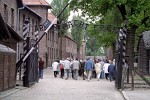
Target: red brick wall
{"type": "Point", "coordinates": [52, 46]}
{"type": "Point", "coordinates": [42, 11]}
{"type": "Point", "coordinates": [10, 5]}
{"type": "Point", "coordinates": [109, 53]}
{"type": "Point", "coordinates": [7, 71]}
{"type": "Point", "coordinates": [69, 47]}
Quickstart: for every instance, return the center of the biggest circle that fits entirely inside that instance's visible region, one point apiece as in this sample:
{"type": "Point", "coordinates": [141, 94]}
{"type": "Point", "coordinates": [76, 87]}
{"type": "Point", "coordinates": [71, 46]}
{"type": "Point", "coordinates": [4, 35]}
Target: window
{"type": "Point", "coordinates": [5, 13]}
{"type": "Point", "coordinates": [56, 37]}
{"type": "Point", "coordinates": [48, 34]}
{"type": "Point", "coordinates": [56, 52]}
{"type": "Point", "coordinates": [12, 18]}
{"type": "Point", "coordinates": [48, 51]}
{"type": "Point", "coordinates": [33, 27]}
{"type": "Point", "coordinates": [53, 39]}
{"type": "Point", "coordinates": [29, 25]}
{"type": "Point", "coordinates": [23, 19]}
{"type": "Point", "coordinates": [52, 53]}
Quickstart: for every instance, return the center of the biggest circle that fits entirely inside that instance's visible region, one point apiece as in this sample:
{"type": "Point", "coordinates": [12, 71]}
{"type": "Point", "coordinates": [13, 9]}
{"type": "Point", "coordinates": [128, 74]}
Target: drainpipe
{"type": "Point", "coordinates": [17, 30]}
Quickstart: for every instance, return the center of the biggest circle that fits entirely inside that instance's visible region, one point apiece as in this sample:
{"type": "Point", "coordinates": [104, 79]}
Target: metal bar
{"type": "Point", "coordinates": [18, 64]}
{"type": "Point", "coordinates": [142, 76]}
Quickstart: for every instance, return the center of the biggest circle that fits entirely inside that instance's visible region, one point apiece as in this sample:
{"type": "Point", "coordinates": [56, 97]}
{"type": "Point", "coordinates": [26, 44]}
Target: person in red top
{"type": "Point", "coordinates": [41, 67]}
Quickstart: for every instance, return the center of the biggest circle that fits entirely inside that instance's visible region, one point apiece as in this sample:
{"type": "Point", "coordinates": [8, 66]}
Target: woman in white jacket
{"type": "Point", "coordinates": [105, 68]}
{"type": "Point", "coordinates": [55, 68]}
{"type": "Point", "coordinates": [98, 69]}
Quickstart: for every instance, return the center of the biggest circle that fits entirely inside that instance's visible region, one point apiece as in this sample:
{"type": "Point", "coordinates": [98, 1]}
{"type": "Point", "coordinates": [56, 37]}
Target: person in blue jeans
{"type": "Point", "coordinates": [41, 67]}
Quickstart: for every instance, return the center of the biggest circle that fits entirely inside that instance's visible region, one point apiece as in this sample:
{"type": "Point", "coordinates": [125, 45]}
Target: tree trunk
{"type": "Point", "coordinates": [114, 49]}
{"type": "Point", "coordinates": [78, 54]}
{"type": "Point", "coordinates": [60, 46]}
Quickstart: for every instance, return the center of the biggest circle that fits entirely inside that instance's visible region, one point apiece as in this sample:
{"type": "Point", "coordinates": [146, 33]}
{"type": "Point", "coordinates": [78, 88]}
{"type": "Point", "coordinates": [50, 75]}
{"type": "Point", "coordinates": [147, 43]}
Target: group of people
{"type": "Point", "coordinates": [65, 67]}
{"type": "Point", "coordinates": [87, 69]}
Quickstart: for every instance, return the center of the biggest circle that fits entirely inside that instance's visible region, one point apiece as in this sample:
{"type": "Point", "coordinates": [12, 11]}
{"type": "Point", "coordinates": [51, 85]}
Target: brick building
{"type": "Point", "coordinates": [41, 7]}
{"type": "Point", "coordinates": [34, 21]}
{"type": "Point", "coordinates": [69, 47]}
{"type": "Point", "coordinates": [109, 53]}
{"type": "Point", "coordinates": [82, 50]}
{"type": "Point", "coordinates": [52, 41]}
{"type": "Point", "coordinates": [12, 17]}
{"type": "Point", "coordinates": [9, 13]}
{"type": "Point", "coordinates": [8, 42]}
{"type": "Point", "coordinates": [143, 65]}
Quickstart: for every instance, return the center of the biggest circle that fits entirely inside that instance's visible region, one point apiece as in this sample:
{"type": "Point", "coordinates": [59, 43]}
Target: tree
{"type": "Point", "coordinates": [105, 30]}
{"type": "Point", "coordinates": [77, 32]}
{"type": "Point", "coordinates": [135, 13]}
{"type": "Point", "coordinates": [57, 6]}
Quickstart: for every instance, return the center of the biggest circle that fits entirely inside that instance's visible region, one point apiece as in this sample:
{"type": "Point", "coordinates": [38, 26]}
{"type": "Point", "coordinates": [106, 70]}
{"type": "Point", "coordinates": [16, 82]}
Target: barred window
{"type": "Point", "coordinates": [5, 13]}
{"type": "Point", "coordinates": [12, 17]}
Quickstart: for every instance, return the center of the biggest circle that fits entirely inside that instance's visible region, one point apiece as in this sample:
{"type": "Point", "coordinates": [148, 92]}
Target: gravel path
{"type": "Point", "coordinates": [50, 88]}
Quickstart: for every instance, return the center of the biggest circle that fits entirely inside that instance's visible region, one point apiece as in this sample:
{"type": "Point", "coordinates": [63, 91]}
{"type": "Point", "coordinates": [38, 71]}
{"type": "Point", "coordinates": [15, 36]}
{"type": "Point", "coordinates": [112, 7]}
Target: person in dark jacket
{"type": "Point", "coordinates": [82, 69]}
{"type": "Point", "coordinates": [41, 67]}
{"type": "Point", "coordinates": [89, 65]}
{"type": "Point", "coordinates": [111, 70]}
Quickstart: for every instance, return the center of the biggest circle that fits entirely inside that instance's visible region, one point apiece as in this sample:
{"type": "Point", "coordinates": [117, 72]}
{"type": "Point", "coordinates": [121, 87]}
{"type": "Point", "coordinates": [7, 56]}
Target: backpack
{"type": "Point", "coordinates": [61, 66]}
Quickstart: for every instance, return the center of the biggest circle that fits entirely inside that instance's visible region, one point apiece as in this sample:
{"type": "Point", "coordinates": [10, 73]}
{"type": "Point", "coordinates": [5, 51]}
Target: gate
{"type": "Point", "coordinates": [118, 70]}
{"type": "Point", "coordinates": [120, 58]}
{"type": "Point", "coordinates": [31, 66]}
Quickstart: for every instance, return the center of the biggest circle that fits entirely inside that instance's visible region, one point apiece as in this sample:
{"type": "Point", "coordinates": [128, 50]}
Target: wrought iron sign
{"type": "Point", "coordinates": [83, 25]}
{"type": "Point", "coordinates": [78, 23]}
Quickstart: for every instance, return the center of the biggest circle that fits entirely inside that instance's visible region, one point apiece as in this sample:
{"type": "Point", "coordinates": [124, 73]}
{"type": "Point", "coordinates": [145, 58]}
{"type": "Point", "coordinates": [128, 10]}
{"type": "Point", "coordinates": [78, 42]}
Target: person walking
{"type": "Point", "coordinates": [67, 64]}
{"type": "Point", "coordinates": [75, 67]}
{"type": "Point", "coordinates": [105, 68]}
{"type": "Point", "coordinates": [102, 76]}
{"type": "Point", "coordinates": [98, 69]}
{"type": "Point", "coordinates": [111, 70]}
{"type": "Point", "coordinates": [55, 65]}
{"type": "Point", "coordinates": [41, 67]}
{"type": "Point", "coordinates": [71, 69]}
{"type": "Point", "coordinates": [89, 68]}
{"type": "Point", "coordinates": [61, 67]}
{"type": "Point", "coordinates": [82, 69]}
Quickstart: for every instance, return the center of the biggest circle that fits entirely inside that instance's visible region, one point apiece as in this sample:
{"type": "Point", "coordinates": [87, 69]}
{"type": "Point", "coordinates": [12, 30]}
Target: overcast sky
{"type": "Point", "coordinates": [70, 17]}
{"type": "Point", "coordinates": [71, 13]}
{"type": "Point", "coordinates": [49, 1]}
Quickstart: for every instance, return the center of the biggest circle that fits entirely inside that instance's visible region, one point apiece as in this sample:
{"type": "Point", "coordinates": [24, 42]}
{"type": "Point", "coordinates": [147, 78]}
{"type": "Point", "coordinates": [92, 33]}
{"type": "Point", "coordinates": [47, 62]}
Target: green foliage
{"type": "Point", "coordinates": [77, 31]}
{"type": "Point", "coordinates": [103, 37]}
{"type": "Point", "coordinates": [134, 10]}
{"type": "Point", "coordinates": [57, 6]}
{"type": "Point", "coordinates": [115, 12]}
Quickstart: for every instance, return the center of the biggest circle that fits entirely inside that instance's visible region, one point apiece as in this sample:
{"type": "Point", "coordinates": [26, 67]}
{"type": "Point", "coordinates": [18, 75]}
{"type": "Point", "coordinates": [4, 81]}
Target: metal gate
{"type": "Point", "coordinates": [118, 70]}
{"type": "Point", "coordinates": [31, 67]}
{"type": "Point", "coordinates": [120, 58]}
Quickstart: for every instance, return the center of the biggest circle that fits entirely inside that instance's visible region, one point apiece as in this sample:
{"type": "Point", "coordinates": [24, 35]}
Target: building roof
{"type": "Point", "coordinates": [19, 3]}
{"type": "Point", "coordinates": [36, 2]}
{"type": "Point", "coordinates": [70, 37]}
{"type": "Point", "coordinates": [4, 32]}
{"type": "Point", "coordinates": [6, 49]}
{"type": "Point", "coordinates": [14, 34]}
{"type": "Point", "coordinates": [26, 7]}
{"type": "Point", "coordinates": [146, 37]}
{"type": "Point", "coordinates": [51, 18]}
